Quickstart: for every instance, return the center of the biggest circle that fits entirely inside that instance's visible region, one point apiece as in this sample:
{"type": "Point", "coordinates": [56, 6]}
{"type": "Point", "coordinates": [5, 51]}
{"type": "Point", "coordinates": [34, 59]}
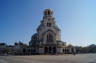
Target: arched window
{"type": "Point", "coordinates": [49, 24]}
{"type": "Point", "coordinates": [49, 12]}
{"type": "Point", "coordinates": [49, 38]}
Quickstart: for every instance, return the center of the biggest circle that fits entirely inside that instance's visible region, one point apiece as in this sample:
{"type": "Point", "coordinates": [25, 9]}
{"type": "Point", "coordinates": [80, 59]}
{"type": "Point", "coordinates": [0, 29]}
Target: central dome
{"type": "Point", "coordinates": [48, 12]}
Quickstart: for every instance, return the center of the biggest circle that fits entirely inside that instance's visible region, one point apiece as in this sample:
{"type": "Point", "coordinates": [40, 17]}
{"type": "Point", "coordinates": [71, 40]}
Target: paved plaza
{"type": "Point", "coordinates": [80, 58]}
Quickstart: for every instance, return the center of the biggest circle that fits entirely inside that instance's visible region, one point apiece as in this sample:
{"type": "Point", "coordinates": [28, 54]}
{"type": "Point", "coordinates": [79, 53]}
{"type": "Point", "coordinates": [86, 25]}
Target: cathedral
{"type": "Point", "coordinates": [47, 39]}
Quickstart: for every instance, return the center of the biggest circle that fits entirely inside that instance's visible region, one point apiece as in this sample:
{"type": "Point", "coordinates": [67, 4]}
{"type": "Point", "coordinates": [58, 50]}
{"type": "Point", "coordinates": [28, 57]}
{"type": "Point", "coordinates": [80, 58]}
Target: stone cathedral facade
{"type": "Point", "coordinates": [47, 40]}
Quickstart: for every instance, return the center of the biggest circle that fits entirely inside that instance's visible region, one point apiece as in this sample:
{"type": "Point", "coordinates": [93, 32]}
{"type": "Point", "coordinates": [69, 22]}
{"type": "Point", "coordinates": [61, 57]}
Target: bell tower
{"type": "Point", "coordinates": [48, 12]}
{"type": "Point", "coordinates": [48, 18]}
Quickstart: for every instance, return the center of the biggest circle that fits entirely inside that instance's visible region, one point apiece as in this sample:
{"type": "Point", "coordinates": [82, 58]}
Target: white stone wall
{"type": "Point", "coordinates": [59, 50]}
{"type": "Point", "coordinates": [41, 50]}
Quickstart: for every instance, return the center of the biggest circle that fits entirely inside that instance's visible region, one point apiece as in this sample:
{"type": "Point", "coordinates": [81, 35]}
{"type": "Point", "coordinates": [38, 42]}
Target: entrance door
{"type": "Point", "coordinates": [50, 50]}
{"type": "Point", "coordinates": [54, 50]}
{"type": "Point", "coordinates": [46, 50]}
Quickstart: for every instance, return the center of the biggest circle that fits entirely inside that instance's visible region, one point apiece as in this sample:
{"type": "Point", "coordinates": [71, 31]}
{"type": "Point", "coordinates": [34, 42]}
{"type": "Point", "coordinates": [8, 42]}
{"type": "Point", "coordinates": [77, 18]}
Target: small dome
{"type": "Point", "coordinates": [48, 12]}
{"type": "Point", "coordinates": [40, 26]}
{"type": "Point", "coordinates": [56, 27]}
{"type": "Point", "coordinates": [34, 35]}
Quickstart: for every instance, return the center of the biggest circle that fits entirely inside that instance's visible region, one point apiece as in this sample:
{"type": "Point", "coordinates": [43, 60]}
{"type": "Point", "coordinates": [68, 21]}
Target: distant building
{"type": "Point", "coordinates": [3, 47]}
{"type": "Point", "coordinates": [19, 48]}
{"type": "Point", "coordinates": [47, 40]}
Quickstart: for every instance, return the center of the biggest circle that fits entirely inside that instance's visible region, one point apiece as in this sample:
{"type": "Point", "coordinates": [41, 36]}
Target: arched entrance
{"type": "Point", "coordinates": [54, 50]}
{"type": "Point", "coordinates": [46, 50]}
{"type": "Point", "coordinates": [50, 50]}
